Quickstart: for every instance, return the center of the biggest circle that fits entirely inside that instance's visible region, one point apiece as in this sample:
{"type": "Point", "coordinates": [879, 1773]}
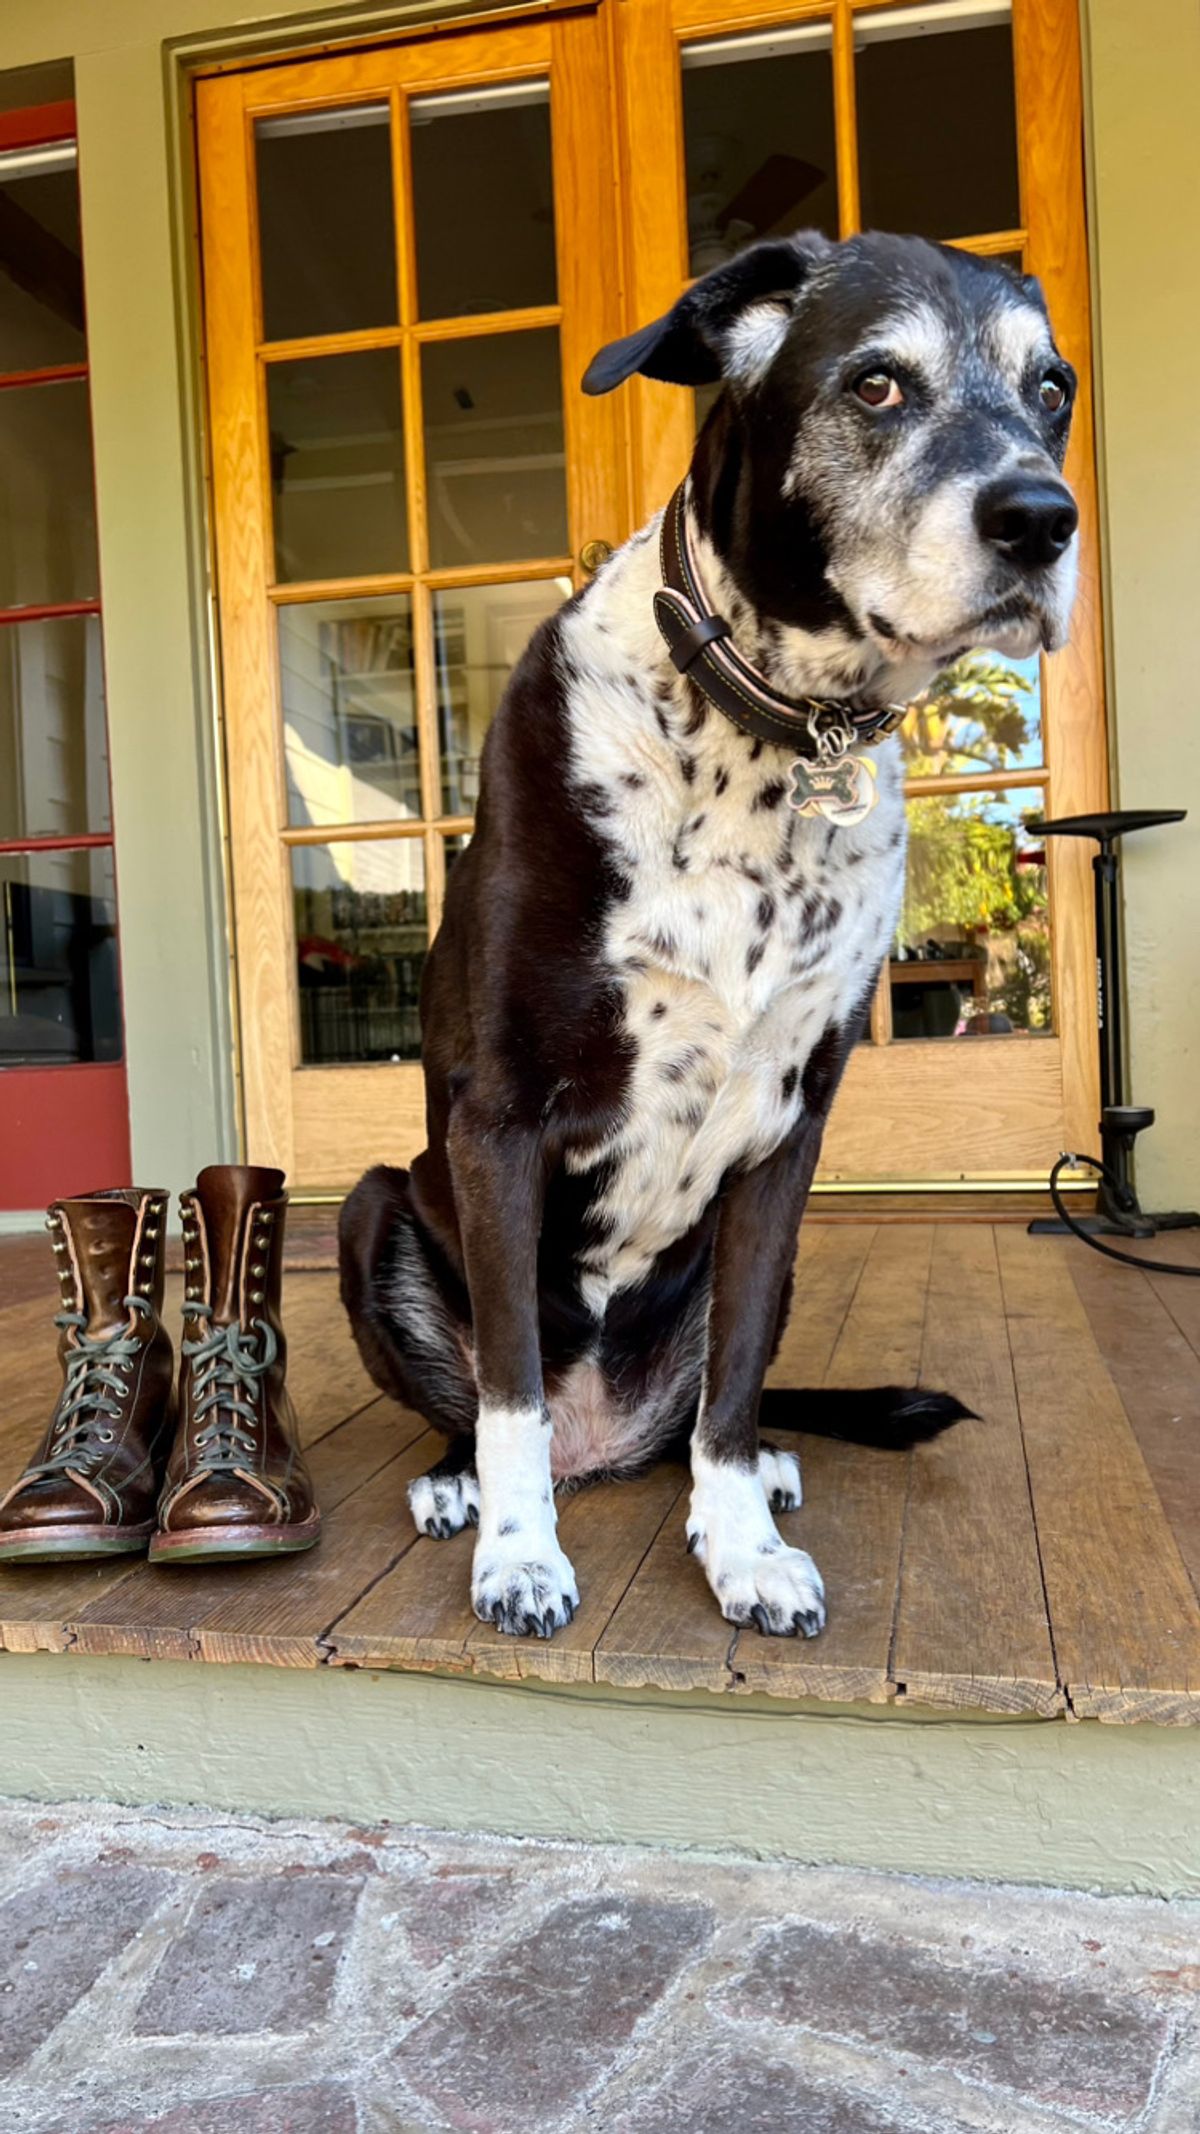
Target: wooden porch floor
{"type": "Point", "coordinates": [1043, 1560]}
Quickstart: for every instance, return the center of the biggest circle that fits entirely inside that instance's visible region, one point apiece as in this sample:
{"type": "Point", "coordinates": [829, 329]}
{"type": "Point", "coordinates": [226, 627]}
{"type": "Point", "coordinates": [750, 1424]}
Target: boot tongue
{"type": "Point", "coordinates": [226, 1193]}
{"type": "Point", "coordinates": [103, 1227]}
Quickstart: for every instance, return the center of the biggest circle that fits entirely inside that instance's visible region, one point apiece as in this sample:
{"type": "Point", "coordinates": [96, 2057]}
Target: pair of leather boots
{"type": "Point", "coordinates": [210, 1469]}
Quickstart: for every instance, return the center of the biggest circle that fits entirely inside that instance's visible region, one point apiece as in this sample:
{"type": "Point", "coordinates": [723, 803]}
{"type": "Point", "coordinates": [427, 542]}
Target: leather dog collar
{"type": "Point", "coordinates": [820, 729]}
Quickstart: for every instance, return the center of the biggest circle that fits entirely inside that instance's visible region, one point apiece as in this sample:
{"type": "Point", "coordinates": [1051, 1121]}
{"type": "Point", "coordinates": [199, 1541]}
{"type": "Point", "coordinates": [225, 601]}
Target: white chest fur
{"type": "Point", "coordinates": [746, 932]}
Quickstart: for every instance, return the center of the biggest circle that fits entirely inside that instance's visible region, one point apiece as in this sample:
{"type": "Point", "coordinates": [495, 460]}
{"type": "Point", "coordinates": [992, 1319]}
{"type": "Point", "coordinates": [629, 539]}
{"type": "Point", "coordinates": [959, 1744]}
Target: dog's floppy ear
{"type": "Point", "coordinates": [709, 334]}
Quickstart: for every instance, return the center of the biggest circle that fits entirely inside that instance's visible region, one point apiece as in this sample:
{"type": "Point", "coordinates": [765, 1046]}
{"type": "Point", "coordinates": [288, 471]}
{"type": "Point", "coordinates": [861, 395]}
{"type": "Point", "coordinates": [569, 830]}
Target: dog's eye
{"type": "Point", "coordinates": [1052, 392]}
{"type": "Point", "coordinates": [878, 389]}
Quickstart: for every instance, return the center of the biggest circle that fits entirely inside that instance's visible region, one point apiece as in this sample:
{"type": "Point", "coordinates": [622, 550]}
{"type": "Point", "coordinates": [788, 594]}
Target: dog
{"type": "Point", "coordinates": [662, 941]}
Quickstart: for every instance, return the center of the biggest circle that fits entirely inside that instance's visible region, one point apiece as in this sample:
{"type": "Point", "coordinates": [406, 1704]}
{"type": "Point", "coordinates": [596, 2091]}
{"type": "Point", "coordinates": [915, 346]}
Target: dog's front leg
{"type": "Point", "coordinates": [521, 1580]}
{"type": "Point", "coordinates": [756, 1577]}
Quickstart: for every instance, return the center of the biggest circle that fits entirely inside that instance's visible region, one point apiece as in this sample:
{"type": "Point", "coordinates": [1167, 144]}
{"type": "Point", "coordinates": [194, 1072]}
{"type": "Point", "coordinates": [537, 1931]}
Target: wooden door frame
{"type": "Point", "coordinates": [306, 1133]}
{"type": "Point", "coordinates": [649, 35]}
{"type": "Point", "coordinates": [646, 435]}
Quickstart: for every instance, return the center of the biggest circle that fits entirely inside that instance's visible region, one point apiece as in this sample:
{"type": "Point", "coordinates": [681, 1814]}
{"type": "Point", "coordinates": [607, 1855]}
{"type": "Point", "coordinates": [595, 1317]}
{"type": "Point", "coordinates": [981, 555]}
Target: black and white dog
{"type": "Point", "coordinates": [663, 939]}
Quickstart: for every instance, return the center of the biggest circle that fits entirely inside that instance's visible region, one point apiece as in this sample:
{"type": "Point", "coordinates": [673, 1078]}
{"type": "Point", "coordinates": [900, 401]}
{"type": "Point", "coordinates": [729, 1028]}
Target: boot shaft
{"type": "Point", "coordinates": [233, 1236]}
{"type": "Point", "coordinates": [235, 1457]}
{"type": "Point", "coordinates": [109, 1245]}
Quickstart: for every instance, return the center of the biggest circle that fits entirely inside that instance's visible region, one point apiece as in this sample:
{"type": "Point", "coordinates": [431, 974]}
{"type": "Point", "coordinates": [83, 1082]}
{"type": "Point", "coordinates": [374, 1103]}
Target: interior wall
{"type": "Point", "coordinates": [1144, 141]}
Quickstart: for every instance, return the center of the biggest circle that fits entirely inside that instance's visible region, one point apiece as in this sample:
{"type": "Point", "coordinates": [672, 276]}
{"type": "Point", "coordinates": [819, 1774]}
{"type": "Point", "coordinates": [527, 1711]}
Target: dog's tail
{"type": "Point", "coordinates": [893, 1417]}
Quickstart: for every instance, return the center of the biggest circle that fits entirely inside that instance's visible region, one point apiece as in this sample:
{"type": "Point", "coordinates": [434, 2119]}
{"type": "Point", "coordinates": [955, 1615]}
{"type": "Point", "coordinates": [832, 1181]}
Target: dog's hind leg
{"type": "Point", "coordinates": [413, 1339]}
{"type": "Point", "coordinates": [446, 1499]}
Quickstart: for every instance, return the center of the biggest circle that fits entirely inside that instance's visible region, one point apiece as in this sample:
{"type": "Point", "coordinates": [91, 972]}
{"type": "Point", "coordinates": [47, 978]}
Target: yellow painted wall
{"type": "Point", "coordinates": [1144, 144]}
{"type": "Point", "coordinates": [1144, 151]}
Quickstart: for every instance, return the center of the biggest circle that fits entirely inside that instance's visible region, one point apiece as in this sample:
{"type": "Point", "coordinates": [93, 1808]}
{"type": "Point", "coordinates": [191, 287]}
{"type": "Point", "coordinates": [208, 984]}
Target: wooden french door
{"type": "Point", "coordinates": [409, 257]}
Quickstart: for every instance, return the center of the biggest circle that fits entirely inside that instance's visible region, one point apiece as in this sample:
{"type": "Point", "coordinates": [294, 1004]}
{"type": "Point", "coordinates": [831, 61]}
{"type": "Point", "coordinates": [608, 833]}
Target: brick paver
{"type": "Point", "coordinates": [184, 1974]}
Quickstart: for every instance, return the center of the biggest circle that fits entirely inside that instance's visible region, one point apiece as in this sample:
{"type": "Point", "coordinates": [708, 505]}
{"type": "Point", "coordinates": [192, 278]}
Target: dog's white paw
{"type": "Point", "coordinates": [779, 1473]}
{"type": "Point", "coordinates": [780, 1591]}
{"type": "Point", "coordinates": [526, 1599]}
{"type": "Point", "coordinates": [442, 1505]}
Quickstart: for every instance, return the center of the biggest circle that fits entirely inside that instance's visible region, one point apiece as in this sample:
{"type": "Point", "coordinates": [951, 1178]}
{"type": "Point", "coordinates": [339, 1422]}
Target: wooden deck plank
{"type": "Point", "coordinates": [420, 1615]}
{"type": "Point", "coordinates": [1178, 1296]}
{"type": "Point", "coordinates": [667, 1633]}
{"type": "Point", "coordinates": [286, 1625]}
{"type": "Point", "coordinates": [182, 1611]}
{"type": "Point", "coordinates": [326, 1378]}
{"type": "Point", "coordinates": [829, 1268]}
{"type": "Point", "coordinates": [852, 1521]}
{"type": "Point", "coordinates": [1125, 1618]}
{"type": "Point", "coordinates": [130, 1606]}
{"type": "Point", "coordinates": [1094, 1368]}
{"type": "Point", "coordinates": [972, 1629]}
{"type": "Point", "coordinates": [607, 1532]}
{"type": "Point", "coordinates": [1157, 1373]}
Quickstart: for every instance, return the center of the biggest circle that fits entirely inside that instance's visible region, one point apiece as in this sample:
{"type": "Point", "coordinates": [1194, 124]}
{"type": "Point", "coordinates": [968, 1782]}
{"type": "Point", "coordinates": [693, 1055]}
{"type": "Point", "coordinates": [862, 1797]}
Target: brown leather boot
{"type": "Point", "coordinates": [92, 1486]}
{"type": "Point", "coordinates": [236, 1484]}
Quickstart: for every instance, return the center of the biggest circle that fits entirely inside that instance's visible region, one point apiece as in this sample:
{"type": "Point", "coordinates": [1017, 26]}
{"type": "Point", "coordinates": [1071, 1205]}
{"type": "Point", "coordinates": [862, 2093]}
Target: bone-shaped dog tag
{"type": "Point", "coordinates": [842, 791]}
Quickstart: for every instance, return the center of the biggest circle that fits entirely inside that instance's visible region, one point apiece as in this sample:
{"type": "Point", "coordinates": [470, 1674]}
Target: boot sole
{"type": "Point", "coordinates": [81, 1545]}
{"type": "Point", "coordinates": [221, 1543]}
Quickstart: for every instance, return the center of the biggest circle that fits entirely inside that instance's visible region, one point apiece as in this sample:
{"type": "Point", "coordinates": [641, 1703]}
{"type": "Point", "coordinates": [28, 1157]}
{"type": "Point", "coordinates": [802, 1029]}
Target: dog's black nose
{"type": "Point", "coordinates": [1029, 520]}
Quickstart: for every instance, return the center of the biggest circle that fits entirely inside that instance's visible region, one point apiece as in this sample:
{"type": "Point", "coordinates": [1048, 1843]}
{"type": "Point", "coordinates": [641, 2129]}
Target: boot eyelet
{"type": "Point", "coordinates": [105, 1436]}
{"type": "Point", "coordinates": [256, 1296]}
{"type": "Point", "coordinates": [258, 1271]}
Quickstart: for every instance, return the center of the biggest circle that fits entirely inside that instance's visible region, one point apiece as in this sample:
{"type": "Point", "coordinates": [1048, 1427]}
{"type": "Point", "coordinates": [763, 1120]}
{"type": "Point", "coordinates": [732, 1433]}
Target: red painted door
{"type": "Point", "coordinates": [64, 1114]}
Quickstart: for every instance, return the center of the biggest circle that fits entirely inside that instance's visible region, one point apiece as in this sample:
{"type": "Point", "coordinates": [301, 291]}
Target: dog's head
{"type": "Point", "coordinates": [886, 458]}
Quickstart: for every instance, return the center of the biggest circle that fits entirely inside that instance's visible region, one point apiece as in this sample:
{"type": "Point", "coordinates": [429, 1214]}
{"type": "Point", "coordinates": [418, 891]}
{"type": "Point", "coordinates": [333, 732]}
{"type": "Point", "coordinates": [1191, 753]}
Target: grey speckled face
{"type": "Point", "coordinates": [928, 411]}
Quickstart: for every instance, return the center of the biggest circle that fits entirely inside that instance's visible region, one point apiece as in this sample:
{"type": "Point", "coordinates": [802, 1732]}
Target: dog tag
{"type": "Point", "coordinates": [842, 791]}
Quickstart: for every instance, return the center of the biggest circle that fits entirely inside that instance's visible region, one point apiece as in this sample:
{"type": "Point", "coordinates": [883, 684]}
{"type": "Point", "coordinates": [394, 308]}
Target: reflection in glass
{"type": "Point", "coordinates": [47, 507]}
{"type": "Point", "coordinates": [483, 247]}
{"type": "Point", "coordinates": [972, 954]}
{"type": "Point", "coordinates": [455, 846]}
{"type": "Point", "coordinates": [41, 270]}
{"type": "Point", "coordinates": [759, 140]}
{"type": "Point", "coordinates": [337, 465]}
{"type": "Point", "coordinates": [494, 455]}
{"type": "Point", "coordinates": [982, 713]}
{"type": "Point", "coordinates": [480, 633]}
{"type": "Point", "coordinates": [325, 224]}
{"type": "Point", "coordinates": [349, 711]}
{"type": "Point", "coordinates": [929, 93]}
{"type": "Point", "coordinates": [59, 998]}
{"type": "Point", "coordinates": [362, 932]}
{"type": "Point", "coordinates": [53, 743]}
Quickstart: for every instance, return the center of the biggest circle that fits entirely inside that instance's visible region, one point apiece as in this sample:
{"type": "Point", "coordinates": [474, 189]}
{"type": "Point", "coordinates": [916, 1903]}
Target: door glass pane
{"type": "Point", "coordinates": [47, 508]}
{"type": "Point", "coordinates": [483, 200]}
{"type": "Point", "coordinates": [53, 744]}
{"type": "Point", "coordinates": [480, 633]}
{"type": "Point", "coordinates": [455, 846]}
{"type": "Point", "coordinates": [349, 711]}
{"type": "Point", "coordinates": [41, 270]}
{"type": "Point", "coordinates": [972, 955]}
{"type": "Point", "coordinates": [337, 465]}
{"type": "Point", "coordinates": [325, 222]}
{"type": "Point", "coordinates": [937, 126]}
{"type": "Point", "coordinates": [362, 931]}
{"type": "Point", "coordinates": [759, 140]}
{"type": "Point", "coordinates": [983, 713]}
{"type": "Point", "coordinates": [58, 959]}
{"type": "Point", "coordinates": [494, 456]}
